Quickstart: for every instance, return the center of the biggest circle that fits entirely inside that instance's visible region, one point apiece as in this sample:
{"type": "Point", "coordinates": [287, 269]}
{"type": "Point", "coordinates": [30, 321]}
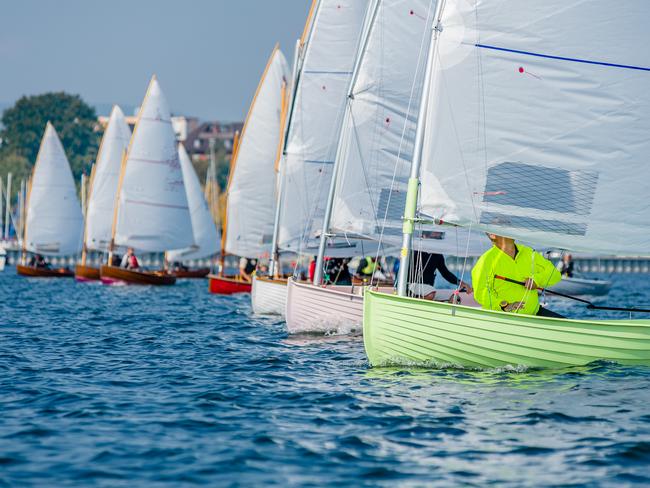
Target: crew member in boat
{"type": "Point", "coordinates": [368, 266]}
{"type": "Point", "coordinates": [129, 260]}
{"type": "Point", "coordinates": [507, 259]}
{"type": "Point", "coordinates": [423, 275]}
{"type": "Point", "coordinates": [247, 268]}
{"type": "Point", "coordinates": [337, 271]}
{"type": "Point", "coordinates": [38, 261]}
{"type": "Point", "coordinates": [565, 267]}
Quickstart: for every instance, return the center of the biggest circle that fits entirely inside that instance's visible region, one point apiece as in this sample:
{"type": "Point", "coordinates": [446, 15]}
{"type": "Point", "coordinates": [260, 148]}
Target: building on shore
{"type": "Point", "coordinates": [198, 141]}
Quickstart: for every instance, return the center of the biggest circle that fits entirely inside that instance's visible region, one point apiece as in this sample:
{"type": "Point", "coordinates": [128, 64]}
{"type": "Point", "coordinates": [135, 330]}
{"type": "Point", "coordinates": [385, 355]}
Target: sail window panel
{"type": "Point", "coordinates": [541, 187]}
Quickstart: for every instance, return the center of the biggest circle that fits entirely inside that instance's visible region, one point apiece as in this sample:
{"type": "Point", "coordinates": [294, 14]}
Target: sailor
{"type": "Point", "coordinates": [129, 260]}
{"type": "Point", "coordinates": [514, 262]}
{"type": "Point", "coordinates": [247, 268]}
{"type": "Point", "coordinates": [426, 265]}
{"type": "Point", "coordinates": [337, 271]}
{"type": "Point", "coordinates": [565, 267]}
{"type": "Point", "coordinates": [38, 261]}
{"type": "Point", "coordinates": [367, 267]}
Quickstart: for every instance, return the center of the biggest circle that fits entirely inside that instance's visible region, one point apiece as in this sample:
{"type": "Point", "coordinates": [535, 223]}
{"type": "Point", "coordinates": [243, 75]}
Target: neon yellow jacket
{"type": "Point", "coordinates": [490, 292]}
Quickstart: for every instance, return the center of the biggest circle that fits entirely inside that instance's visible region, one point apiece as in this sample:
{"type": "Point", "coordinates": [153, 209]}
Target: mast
{"type": "Point", "coordinates": [1, 202]}
{"type": "Point", "coordinates": [111, 246]}
{"type": "Point", "coordinates": [7, 207]}
{"type": "Point", "coordinates": [116, 207]}
{"type": "Point", "coordinates": [297, 69]}
{"type": "Point", "coordinates": [29, 191]}
{"type": "Point", "coordinates": [410, 207]}
{"type": "Point", "coordinates": [21, 210]}
{"type": "Point", "coordinates": [370, 20]}
{"type": "Point", "coordinates": [84, 207]}
{"type": "Point", "coordinates": [224, 211]}
{"type": "Point", "coordinates": [235, 155]}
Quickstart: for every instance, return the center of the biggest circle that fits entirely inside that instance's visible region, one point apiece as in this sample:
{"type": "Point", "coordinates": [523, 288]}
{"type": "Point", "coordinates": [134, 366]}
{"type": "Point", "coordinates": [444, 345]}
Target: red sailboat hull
{"type": "Point", "coordinates": [224, 285]}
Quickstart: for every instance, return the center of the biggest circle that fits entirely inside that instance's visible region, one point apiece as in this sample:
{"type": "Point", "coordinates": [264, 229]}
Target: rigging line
{"type": "Point", "coordinates": [481, 108]}
{"type": "Point", "coordinates": [408, 113]}
{"type": "Point", "coordinates": [563, 58]}
{"type": "Point", "coordinates": [463, 269]}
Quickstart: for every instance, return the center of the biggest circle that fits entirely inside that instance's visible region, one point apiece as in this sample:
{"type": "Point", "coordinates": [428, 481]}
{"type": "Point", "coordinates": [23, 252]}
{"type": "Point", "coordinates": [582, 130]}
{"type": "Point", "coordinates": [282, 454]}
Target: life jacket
{"type": "Point", "coordinates": [370, 267]}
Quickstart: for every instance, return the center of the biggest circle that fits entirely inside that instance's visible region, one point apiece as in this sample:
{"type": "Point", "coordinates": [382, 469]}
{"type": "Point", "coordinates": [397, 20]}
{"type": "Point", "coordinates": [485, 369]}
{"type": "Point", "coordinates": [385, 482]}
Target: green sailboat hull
{"type": "Point", "coordinates": [408, 331]}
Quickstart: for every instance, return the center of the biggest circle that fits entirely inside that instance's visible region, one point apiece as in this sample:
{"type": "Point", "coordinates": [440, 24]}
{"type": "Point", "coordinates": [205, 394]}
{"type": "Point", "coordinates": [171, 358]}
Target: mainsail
{"type": "Point", "coordinates": [54, 220]}
{"type": "Point", "coordinates": [206, 236]}
{"type": "Point", "coordinates": [317, 115]}
{"type": "Point", "coordinates": [152, 213]}
{"type": "Point", "coordinates": [378, 132]}
{"type": "Point", "coordinates": [103, 186]}
{"type": "Point", "coordinates": [251, 192]}
{"type": "Point", "coordinates": [538, 120]}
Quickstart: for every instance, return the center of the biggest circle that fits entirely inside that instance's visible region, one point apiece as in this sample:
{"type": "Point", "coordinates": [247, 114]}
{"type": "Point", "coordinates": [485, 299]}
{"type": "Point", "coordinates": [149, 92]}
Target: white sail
{"type": "Point", "coordinates": [251, 193]}
{"type": "Point", "coordinates": [317, 115]}
{"type": "Point", "coordinates": [206, 236]}
{"type": "Point", "coordinates": [54, 220]}
{"type": "Point", "coordinates": [538, 122]}
{"type": "Point", "coordinates": [103, 187]}
{"type": "Point", "coordinates": [378, 133]}
{"type": "Point", "coordinates": [152, 213]}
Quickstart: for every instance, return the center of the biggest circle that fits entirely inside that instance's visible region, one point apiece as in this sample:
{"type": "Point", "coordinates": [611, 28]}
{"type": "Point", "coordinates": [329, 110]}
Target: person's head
{"type": "Point", "coordinates": [129, 251]}
{"type": "Point", "coordinates": [499, 241]}
{"type": "Point", "coordinates": [566, 258]}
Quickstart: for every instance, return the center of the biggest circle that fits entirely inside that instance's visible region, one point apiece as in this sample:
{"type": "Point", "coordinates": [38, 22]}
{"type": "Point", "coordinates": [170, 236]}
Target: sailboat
{"type": "Point", "coordinates": [151, 212]}
{"type": "Point", "coordinates": [533, 125]}
{"type": "Point", "coordinates": [269, 292]}
{"type": "Point", "coordinates": [374, 148]}
{"type": "Point", "coordinates": [330, 47]}
{"type": "Point", "coordinates": [206, 236]}
{"type": "Point", "coordinates": [54, 221]}
{"type": "Point", "coordinates": [250, 195]}
{"type": "Point", "coordinates": [101, 194]}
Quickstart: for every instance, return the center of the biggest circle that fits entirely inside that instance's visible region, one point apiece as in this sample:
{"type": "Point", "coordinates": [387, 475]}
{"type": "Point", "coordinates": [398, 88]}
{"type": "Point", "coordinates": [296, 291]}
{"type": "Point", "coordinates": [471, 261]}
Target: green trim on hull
{"type": "Point", "coordinates": [409, 331]}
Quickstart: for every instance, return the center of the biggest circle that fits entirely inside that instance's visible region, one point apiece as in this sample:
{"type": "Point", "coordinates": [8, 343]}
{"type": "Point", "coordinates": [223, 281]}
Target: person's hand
{"type": "Point", "coordinates": [467, 286]}
{"type": "Point", "coordinates": [513, 306]}
{"type": "Point", "coordinates": [530, 284]}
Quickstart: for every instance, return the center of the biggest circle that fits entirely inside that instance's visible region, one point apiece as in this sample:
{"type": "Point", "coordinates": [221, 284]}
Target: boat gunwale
{"type": "Point", "coordinates": [508, 316]}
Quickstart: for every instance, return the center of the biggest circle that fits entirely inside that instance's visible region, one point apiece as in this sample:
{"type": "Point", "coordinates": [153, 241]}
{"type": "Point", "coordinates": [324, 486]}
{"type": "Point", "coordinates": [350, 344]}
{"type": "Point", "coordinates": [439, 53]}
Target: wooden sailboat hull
{"type": "Point", "coordinates": [44, 272]}
{"type": "Point", "coordinates": [86, 273]}
{"type": "Point", "coordinates": [224, 285]}
{"type": "Point", "coordinates": [113, 275]}
{"type": "Point", "coordinates": [407, 331]}
{"type": "Point", "coordinates": [269, 296]}
{"type": "Point", "coordinates": [191, 273]}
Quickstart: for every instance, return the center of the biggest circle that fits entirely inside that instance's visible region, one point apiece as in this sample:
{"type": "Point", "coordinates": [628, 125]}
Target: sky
{"type": "Point", "coordinates": [208, 54]}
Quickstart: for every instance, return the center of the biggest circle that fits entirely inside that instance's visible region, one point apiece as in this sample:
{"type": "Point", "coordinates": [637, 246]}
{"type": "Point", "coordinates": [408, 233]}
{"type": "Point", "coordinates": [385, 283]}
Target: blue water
{"type": "Point", "coordinates": [125, 386]}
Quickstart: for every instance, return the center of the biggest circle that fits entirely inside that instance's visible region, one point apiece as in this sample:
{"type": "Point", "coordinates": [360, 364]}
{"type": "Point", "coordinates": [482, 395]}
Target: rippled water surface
{"type": "Point", "coordinates": [122, 386]}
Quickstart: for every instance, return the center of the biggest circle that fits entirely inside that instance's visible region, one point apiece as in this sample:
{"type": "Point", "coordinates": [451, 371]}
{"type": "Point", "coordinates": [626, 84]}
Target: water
{"type": "Point", "coordinates": [117, 386]}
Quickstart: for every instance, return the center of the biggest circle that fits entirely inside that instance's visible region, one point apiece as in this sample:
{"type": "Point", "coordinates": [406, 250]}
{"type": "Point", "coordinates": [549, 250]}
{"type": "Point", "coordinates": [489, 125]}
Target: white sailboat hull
{"type": "Point", "coordinates": [269, 297]}
{"type": "Point", "coordinates": [337, 309]}
{"type": "Point", "coordinates": [317, 309]}
{"type": "Point", "coordinates": [580, 286]}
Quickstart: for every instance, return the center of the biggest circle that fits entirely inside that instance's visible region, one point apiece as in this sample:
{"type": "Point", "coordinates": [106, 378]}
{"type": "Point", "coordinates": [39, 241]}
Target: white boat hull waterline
{"type": "Point", "coordinates": [335, 309]}
{"type": "Point", "coordinates": [582, 287]}
{"type": "Point", "coordinates": [269, 296]}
